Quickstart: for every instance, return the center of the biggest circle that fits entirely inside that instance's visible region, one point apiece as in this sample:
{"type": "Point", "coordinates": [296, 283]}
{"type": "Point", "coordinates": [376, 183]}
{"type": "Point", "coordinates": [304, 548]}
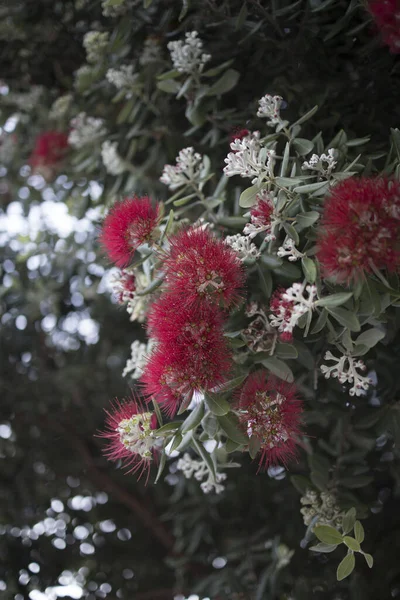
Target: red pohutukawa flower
{"type": "Point", "coordinates": [48, 153]}
{"type": "Point", "coordinates": [129, 224]}
{"type": "Point", "coordinates": [130, 435]}
{"type": "Point", "coordinates": [270, 411]}
{"type": "Point", "coordinates": [201, 267]}
{"type": "Point", "coordinates": [239, 134]}
{"type": "Point", "coordinates": [192, 354]}
{"type": "Point", "coordinates": [360, 229]}
{"type": "Point", "coordinates": [386, 14]}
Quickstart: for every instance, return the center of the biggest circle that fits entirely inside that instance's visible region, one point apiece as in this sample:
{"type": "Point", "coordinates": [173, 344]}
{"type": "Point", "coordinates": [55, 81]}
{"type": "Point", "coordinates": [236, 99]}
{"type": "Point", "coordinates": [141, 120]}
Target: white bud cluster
{"type": "Point", "coordinates": [243, 246]}
{"type": "Point", "coordinates": [289, 249]}
{"type": "Point", "coordinates": [95, 44]}
{"type": "Point", "coordinates": [113, 162]}
{"type": "Point", "coordinates": [346, 368]}
{"type": "Point", "coordinates": [293, 306]}
{"type": "Point", "coordinates": [199, 469]}
{"type": "Point", "coordinates": [60, 107]}
{"type": "Point", "coordinates": [269, 108]}
{"type": "Point", "coordinates": [139, 356]}
{"type": "Point", "coordinates": [124, 77]}
{"type": "Point", "coordinates": [248, 159]}
{"type": "Point", "coordinates": [85, 130]}
{"type": "Point", "coordinates": [187, 56]}
{"type": "Point", "coordinates": [187, 169]}
{"type": "Point", "coordinates": [324, 164]}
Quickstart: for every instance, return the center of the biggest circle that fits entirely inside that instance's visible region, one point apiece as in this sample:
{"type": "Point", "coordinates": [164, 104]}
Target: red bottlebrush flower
{"type": "Point", "coordinates": [124, 286]}
{"type": "Point", "coordinates": [386, 14]}
{"type": "Point", "coordinates": [261, 217]}
{"type": "Point", "coordinates": [196, 360]}
{"type": "Point", "coordinates": [130, 435]}
{"type": "Point", "coordinates": [201, 267]}
{"type": "Point", "coordinates": [360, 229]}
{"type": "Point", "coordinates": [270, 410]}
{"type": "Point", "coordinates": [128, 225]}
{"type": "Point", "coordinates": [239, 134]}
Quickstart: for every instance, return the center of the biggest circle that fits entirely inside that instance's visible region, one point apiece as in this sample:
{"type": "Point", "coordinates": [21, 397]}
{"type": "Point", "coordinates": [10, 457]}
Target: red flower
{"type": "Point", "coordinates": [50, 148]}
{"type": "Point", "coordinates": [386, 14]}
{"type": "Point", "coordinates": [129, 432]}
{"type": "Point", "coordinates": [270, 411]}
{"type": "Point", "coordinates": [361, 229]}
{"type": "Point", "coordinates": [192, 354]}
{"type": "Point", "coordinates": [201, 267]}
{"type": "Point", "coordinates": [128, 225]}
{"type": "Point", "coordinates": [239, 134]}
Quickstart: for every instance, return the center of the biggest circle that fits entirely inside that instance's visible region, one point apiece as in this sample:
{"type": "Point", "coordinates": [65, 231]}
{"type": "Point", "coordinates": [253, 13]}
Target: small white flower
{"type": "Point", "coordinates": [243, 246]}
{"type": "Point", "coordinates": [60, 107]}
{"type": "Point", "coordinates": [187, 56]}
{"type": "Point", "coordinates": [199, 470]}
{"type": "Point", "coordinates": [85, 130]}
{"type": "Point", "coordinates": [269, 107]}
{"type": "Point", "coordinates": [293, 305]}
{"type": "Point", "coordinates": [112, 161]}
{"type": "Point", "coordinates": [139, 356]}
{"type": "Point", "coordinates": [345, 368]}
{"type": "Point", "coordinates": [324, 164]}
{"type": "Point", "coordinates": [289, 249]}
{"type": "Point", "coordinates": [248, 159]}
{"type": "Point", "coordinates": [137, 306]}
{"type": "Point", "coordinates": [124, 77]}
{"type": "Point", "coordinates": [187, 169]}
{"type": "Point", "coordinates": [114, 8]}
{"type": "Point", "coordinates": [95, 44]}
{"type": "Point", "coordinates": [258, 223]}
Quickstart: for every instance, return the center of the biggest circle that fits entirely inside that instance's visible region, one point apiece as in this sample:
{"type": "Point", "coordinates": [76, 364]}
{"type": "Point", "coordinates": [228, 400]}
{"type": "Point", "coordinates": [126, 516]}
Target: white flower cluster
{"type": "Point", "coordinates": [289, 249]}
{"type": "Point", "coordinates": [243, 246]}
{"type": "Point", "coordinates": [269, 107]}
{"type": "Point", "coordinates": [324, 164]}
{"type": "Point", "coordinates": [136, 434]}
{"type": "Point", "coordinates": [187, 169]}
{"type": "Point", "coordinates": [139, 356]}
{"type": "Point", "coordinates": [293, 305]}
{"type": "Point", "coordinates": [95, 44]}
{"type": "Point", "coordinates": [60, 107]}
{"type": "Point", "coordinates": [124, 77]}
{"type": "Point", "coordinates": [248, 159]}
{"type": "Point", "coordinates": [322, 508]}
{"type": "Point", "coordinates": [187, 56]}
{"type": "Point", "coordinates": [23, 101]}
{"type": "Point", "coordinates": [189, 466]}
{"type": "Point", "coordinates": [113, 162]}
{"type": "Point", "coordinates": [345, 369]}
{"type": "Point", "coordinates": [85, 130]}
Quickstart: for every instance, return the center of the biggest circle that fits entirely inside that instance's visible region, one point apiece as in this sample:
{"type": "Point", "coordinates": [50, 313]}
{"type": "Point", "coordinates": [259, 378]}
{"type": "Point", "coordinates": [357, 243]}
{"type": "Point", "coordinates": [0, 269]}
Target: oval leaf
{"type": "Point", "coordinates": [248, 196]}
{"type": "Point", "coordinates": [348, 520]}
{"type": "Point", "coordinates": [230, 426]}
{"type": "Point", "coordinates": [335, 299]}
{"type": "Point", "coordinates": [359, 532]}
{"type": "Point", "coordinates": [351, 543]}
{"type": "Point", "coordinates": [194, 418]}
{"type": "Point", "coordinates": [328, 534]}
{"type": "Point", "coordinates": [217, 404]}
{"type": "Point", "coordinates": [345, 567]}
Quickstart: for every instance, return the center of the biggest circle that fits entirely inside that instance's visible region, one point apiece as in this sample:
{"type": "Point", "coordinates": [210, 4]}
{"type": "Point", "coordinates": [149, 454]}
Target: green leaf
{"type": "Point", "coordinates": [345, 318]}
{"type": "Point", "coordinates": [225, 83]}
{"type": "Point", "coordinates": [292, 233]}
{"type": "Point", "coordinates": [230, 426]}
{"type": "Point", "coordinates": [301, 483]}
{"type": "Point", "coordinates": [231, 446]}
{"type": "Point", "coordinates": [358, 141]}
{"type": "Point", "coordinates": [202, 452]}
{"type": "Point", "coordinates": [334, 299]}
{"type": "Point", "coordinates": [309, 269]}
{"type": "Point", "coordinates": [286, 351]}
{"type": "Point", "coordinates": [196, 115]}
{"type": "Point", "coordinates": [305, 117]}
{"type": "Point", "coordinates": [218, 69]}
{"type": "Point", "coordinates": [310, 188]}
{"type": "Point", "coordinates": [241, 17]}
{"type": "Point", "coordinates": [285, 160]}
{"type": "Point", "coordinates": [185, 8]}
{"type": "Point", "coordinates": [328, 534]}
{"type": "Point", "coordinates": [168, 428]}
{"type": "Point", "coordinates": [357, 481]}
{"type": "Point", "coordinates": [151, 288]}
{"type": "Point", "coordinates": [248, 196]}
{"type": "Point", "coordinates": [359, 532]}
{"type": "Point", "coordinates": [369, 559]}
{"type": "Point", "coordinates": [302, 146]}
{"type": "Point", "coordinates": [265, 281]}
{"type": "Point", "coordinates": [370, 337]}
{"type": "Point", "coordinates": [278, 368]}
{"type": "Point", "coordinates": [231, 384]}
{"type": "Point", "coordinates": [351, 543]}
{"type": "Point", "coordinates": [345, 567]}
{"type": "Point", "coordinates": [217, 404]}
{"type": "Point", "coordinates": [161, 466]}
{"type": "Point", "coordinates": [254, 446]}
{"type": "Point", "coordinates": [349, 520]}
{"type": "Point", "coordinates": [170, 86]}
{"type": "Point", "coordinates": [306, 219]}
{"type": "Point", "coordinates": [321, 547]}
{"type": "Point", "coordinates": [287, 181]}
{"type": "Point", "coordinates": [169, 75]}
{"type": "Point", "coordinates": [194, 418]}
{"type": "Point", "coordinates": [175, 442]}
{"type": "Point", "coordinates": [210, 425]}
{"type": "Point", "coordinates": [232, 222]}
{"type": "Point", "coordinates": [321, 322]}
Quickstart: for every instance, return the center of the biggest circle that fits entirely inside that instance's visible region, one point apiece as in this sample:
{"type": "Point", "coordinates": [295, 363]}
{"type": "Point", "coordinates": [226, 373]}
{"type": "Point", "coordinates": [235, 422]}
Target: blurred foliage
{"type": "Point", "coordinates": [68, 518]}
